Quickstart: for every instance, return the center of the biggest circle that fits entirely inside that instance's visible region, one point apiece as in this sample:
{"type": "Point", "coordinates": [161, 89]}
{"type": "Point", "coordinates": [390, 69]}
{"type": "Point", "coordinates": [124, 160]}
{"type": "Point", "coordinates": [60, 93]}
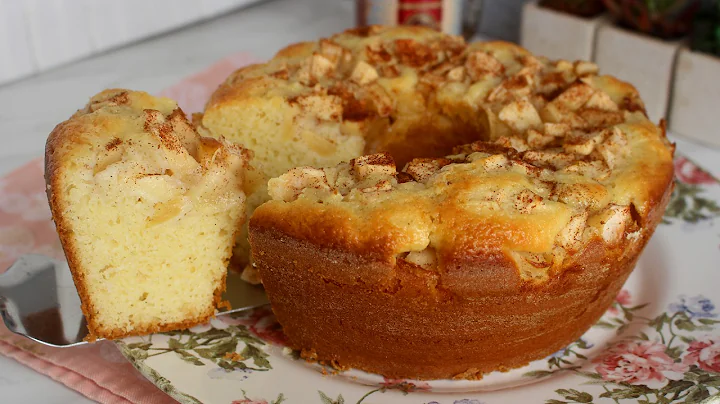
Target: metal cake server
{"type": "Point", "coordinates": [38, 300]}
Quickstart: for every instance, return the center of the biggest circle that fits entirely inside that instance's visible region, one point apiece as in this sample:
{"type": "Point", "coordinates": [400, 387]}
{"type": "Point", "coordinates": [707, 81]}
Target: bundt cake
{"type": "Point", "coordinates": [410, 91]}
{"type": "Point", "coordinates": [320, 103]}
{"type": "Point", "coordinates": [529, 188]}
{"type": "Point", "coordinates": [146, 210]}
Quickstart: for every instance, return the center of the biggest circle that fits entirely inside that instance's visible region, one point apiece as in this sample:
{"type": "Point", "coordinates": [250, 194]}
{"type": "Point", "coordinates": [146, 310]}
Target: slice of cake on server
{"type": "Point", "coordinates": [147, 211]}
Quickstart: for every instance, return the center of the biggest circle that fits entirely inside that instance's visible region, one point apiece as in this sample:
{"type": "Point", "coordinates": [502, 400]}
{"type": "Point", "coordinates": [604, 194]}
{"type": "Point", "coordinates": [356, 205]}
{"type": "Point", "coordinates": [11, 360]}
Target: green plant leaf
{"type": "Point", "coordinates": [704, 378]}
{"type": "Point", "coordinates": [175, 344]}
{"type": "Point", "coordinates": [575, 395]}
{"type": "Point", "coordinates": [191, 343]}
{"type": "Point", "coordinates": [188, 357]}
{"type": "Point", "coordinates": [631, 392]}
{"type": "Point", "coordinates": [638, 307]}
{"type": "Point", "coordinates": [596, 382]}
{"type": "Point", "coordinates": [686, 340]}
{"type": "Point", "coordinates": [139, 354]}
{"type": "Point", "coordinates": [684, 324]}
{"type": "Point", "coordinates": [687, 204]}
{"type": "Point", "coordinates": [140, 345]}
{"type": "Point", "coordinates": [280, 398]}
{"type": "Point", "coordinates": [258, 356]}
{"type": "Point", "coordinates": [697, 393]}
{"type": "Point", "coordinates": [231, 365]}
{"type": "Point", "coordinates": [327, 400]}
{"type": "Point", "coordinates": [538, 373]}
{"type": "Point", "coordinates": [244, 335]}
{"type": "Point", "coordinates": [674, 352]}
{"type": "Point", "coordinates": [691, 377]}
{"type": "Point", "coordinates": [678, 206]}
{"type": "Point", "coordinates": [713, 382]}
{"type": "Point", "coordinates": [603, 324]}
{"type": "Point", "coordinates": [591, 375]}
{"type": "Point", "coordinates": [223, 348]}
{"type": "Point", "coordinates": [213, 334]}
{"type": "Point", "coordinates": [643, 336]}
{"type": "Point", "coordinates": [553, 401]}
{"type": "Point", "coordinates": [207, 353]}
{"type": "Point", "coordinates": [225, 365]}
{"type": "Point", "coordinates": [217, 351]}
{"type": "Point", "coordinates": [658, 322]}
{"type": "Point", "coordinates": [709, 321]}
{"type": "Point", "coordinates": [676, 386]}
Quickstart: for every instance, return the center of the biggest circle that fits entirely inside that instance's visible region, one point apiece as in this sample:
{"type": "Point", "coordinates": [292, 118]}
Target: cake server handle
{"type": "Point", "coordinates": [38, 300]}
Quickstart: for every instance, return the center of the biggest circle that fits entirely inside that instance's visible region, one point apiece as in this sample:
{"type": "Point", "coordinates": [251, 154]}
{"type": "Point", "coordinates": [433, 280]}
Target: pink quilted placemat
{"type": "Point", "coordinates": [97, 370]}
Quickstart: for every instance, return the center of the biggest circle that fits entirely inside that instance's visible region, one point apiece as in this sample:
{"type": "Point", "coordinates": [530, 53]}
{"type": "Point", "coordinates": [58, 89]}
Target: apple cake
{"type": "Point", "coordinates": [146, 210]}
{"type": "Point", "coordinates": [527, 191]}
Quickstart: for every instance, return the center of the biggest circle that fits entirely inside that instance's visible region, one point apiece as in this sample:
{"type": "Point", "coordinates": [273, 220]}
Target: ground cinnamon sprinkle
{"type": "Point", "coordinates": [353, 109]}
{"type": "Point", "coordinates": [113, 144]}
{"type": "Point", "coordinates": [120, 98]}
{"type": "Point", "coordinates": [413, 53]}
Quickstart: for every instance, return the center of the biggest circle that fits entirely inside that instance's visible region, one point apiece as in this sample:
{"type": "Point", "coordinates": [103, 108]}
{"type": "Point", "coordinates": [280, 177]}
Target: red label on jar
{"type": "Point", "coordinates": [427, 13]}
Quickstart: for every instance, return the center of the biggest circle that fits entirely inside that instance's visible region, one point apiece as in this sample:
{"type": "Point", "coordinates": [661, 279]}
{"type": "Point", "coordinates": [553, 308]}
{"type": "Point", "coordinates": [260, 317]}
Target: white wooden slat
{"type": "Point", "coordinates": [16, 57]}
{"type": "Point", "coordinates": [146, 18]}
{"type": "Point", "coordinates": [108, 22]}
{"type": "Point", "coordinates": [40, 34]}
{"type": "Point", "coordinates": [212, 8]}
{"type": "Point", "coordinates": [77, 24]}
{"type": "Point", "coordinates": [57, 32]}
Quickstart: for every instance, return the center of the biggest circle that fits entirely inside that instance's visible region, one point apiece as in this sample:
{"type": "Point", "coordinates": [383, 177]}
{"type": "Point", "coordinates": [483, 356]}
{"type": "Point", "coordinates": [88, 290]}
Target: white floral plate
{"type": "Point", "coordinates": [658, 343]}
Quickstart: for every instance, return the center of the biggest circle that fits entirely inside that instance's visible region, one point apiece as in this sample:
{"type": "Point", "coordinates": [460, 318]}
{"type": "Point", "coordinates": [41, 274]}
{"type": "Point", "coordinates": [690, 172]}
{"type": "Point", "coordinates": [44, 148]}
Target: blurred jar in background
{"type": "Point", "coordinates": [456, 17]}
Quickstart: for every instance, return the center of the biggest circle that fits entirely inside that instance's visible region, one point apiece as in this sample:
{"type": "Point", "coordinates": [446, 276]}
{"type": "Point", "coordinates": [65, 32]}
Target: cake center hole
{"type": "Point", "coordinates": [433, 135]}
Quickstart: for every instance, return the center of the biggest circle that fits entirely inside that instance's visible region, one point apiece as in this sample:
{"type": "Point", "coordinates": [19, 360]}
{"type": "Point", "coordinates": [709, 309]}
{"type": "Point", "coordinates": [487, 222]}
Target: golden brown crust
{"type": "Point", "coordinates": [413, 325]}
{"type": "Point", "coordinates": [402, 321]}
{"type": "Point", "coordinates": [61, 134]}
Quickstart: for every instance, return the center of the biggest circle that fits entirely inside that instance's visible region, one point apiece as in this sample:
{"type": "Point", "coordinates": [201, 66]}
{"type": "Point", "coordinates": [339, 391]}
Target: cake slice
{"type": "Point", "coordinates": [147, 211]}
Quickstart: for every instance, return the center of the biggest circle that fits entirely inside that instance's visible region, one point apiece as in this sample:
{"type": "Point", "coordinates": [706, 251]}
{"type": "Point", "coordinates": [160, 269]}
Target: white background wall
{"type": "Point", "coordinates": [37, 35]}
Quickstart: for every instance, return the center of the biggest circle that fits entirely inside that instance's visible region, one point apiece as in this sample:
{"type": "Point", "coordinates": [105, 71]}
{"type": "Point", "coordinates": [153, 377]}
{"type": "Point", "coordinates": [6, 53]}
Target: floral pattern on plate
{"type": "Point", "coordinates": [658, 343]}
{"type": "Point", "coordinates": [674, 356]}
{"type": "Point", "coordinates": [689, 201]}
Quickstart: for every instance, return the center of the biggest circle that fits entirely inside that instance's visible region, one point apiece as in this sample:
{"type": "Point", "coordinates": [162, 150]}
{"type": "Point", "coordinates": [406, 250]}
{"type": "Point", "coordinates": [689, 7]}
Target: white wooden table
{"type": "Point", "coordinates": [29, 109]}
